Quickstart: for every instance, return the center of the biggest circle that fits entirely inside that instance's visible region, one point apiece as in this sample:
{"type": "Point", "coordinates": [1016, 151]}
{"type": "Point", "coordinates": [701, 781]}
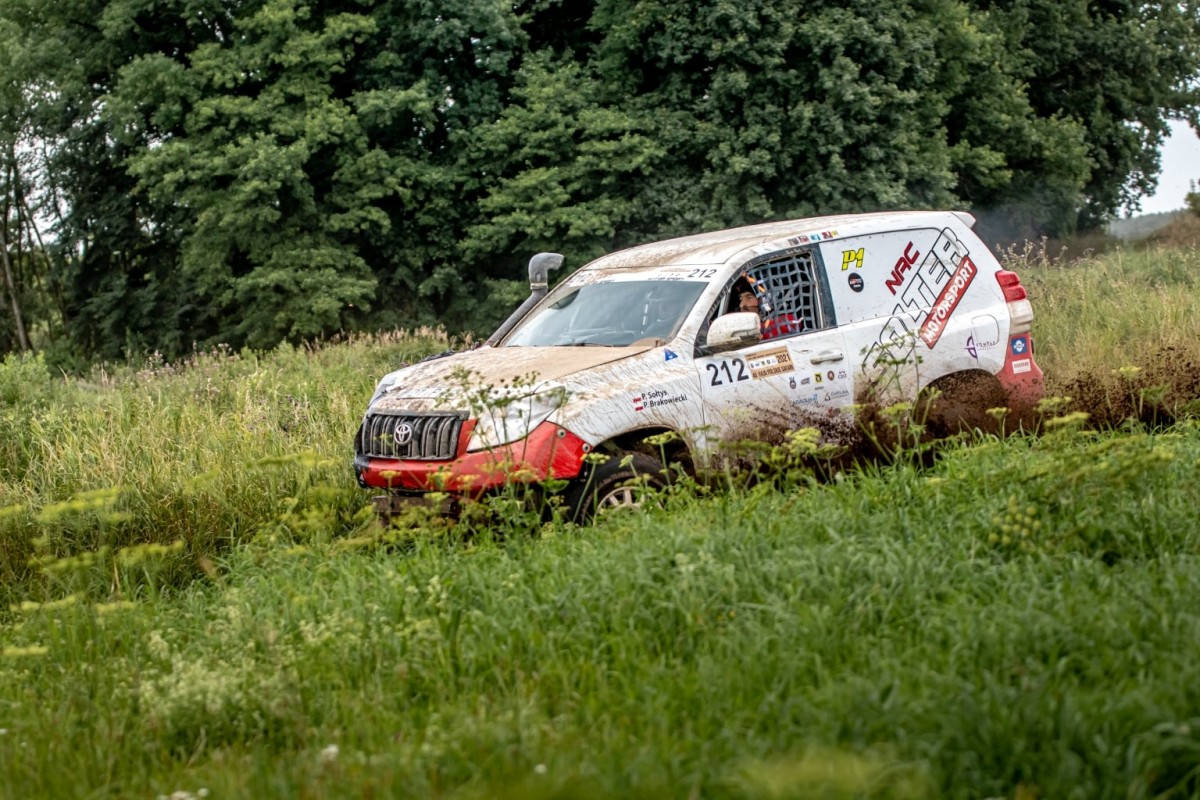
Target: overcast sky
{"type": "Point", "coordinates": [1180, 165]}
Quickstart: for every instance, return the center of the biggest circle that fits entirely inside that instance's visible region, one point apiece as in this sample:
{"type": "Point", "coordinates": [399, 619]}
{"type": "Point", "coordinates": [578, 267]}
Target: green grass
{"type": "Point", "coordinates": [195, 597]}
{"type": "Point", "coordinates": [1131, 307]}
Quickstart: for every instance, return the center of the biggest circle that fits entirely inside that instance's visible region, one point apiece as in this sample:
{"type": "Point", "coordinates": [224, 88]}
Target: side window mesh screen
{"type": "Point", "coordinates": [792, 292]}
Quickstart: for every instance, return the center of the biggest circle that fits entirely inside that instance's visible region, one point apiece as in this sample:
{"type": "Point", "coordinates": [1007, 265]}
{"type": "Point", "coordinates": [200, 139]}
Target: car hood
{"type": "Point", "coordinates": [447, 382]}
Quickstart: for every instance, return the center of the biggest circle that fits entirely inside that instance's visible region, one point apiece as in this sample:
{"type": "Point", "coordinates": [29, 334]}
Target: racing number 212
{"type": "Point", "coordinates": [731, 374]}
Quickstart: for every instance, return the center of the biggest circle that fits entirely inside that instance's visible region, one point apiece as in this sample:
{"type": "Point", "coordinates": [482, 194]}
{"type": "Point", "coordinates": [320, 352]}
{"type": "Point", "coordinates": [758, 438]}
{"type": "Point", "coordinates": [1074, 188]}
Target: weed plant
{"type": "Point", "coordinates": [210, 452]}
{"type": "Point", "coordinates": [198, 601]}
{"type": "Point", "coordinates": [1013, 620]}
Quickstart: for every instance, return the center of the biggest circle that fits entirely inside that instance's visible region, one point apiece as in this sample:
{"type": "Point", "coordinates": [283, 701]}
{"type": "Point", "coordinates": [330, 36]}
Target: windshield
{"type": "Point", "coordinates": [611, 313]}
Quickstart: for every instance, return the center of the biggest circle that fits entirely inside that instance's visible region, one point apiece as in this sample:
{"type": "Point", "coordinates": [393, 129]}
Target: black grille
{"type": "Point", "coordinates": [428, 437]}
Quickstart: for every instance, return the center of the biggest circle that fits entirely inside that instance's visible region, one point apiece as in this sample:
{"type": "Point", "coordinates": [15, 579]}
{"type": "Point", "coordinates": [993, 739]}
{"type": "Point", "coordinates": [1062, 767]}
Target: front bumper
{"type": "Point", "coordinates": [550, 451]}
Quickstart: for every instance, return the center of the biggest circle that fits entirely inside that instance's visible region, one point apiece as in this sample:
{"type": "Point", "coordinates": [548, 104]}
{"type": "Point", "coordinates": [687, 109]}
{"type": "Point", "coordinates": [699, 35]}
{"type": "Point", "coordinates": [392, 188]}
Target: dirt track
{"type": "Point", "coordinates": [1160, 392]}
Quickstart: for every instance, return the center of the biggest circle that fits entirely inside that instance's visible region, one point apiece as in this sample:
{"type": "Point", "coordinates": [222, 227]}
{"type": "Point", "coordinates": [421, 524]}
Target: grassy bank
{"type": "Point", "coordinates": [1019, 618]}
{"type": "Point", "coordinates": [194, 596]}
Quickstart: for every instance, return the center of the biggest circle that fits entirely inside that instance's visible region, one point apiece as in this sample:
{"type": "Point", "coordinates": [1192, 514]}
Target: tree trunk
{"type": "Point", "coordinates": [10, 283]}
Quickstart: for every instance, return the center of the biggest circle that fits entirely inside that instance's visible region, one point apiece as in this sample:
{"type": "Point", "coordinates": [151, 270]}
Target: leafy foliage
{"type": "Point", "coordinates": [276, 170]}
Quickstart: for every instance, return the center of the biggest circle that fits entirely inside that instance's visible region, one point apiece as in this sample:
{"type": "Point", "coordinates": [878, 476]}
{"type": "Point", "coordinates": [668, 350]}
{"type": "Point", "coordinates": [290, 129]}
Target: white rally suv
{"type": "Point", "coordinates": [718, 338]}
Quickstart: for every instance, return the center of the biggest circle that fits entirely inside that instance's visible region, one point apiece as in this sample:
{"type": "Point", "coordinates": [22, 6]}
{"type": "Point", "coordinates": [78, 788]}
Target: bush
{"type": "Point", "coordinates": [24, 380]}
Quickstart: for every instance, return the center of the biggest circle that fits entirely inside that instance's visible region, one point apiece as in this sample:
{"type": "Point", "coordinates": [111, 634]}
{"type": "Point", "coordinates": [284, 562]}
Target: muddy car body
{"type": "Point", "coordinates": [649, 340]}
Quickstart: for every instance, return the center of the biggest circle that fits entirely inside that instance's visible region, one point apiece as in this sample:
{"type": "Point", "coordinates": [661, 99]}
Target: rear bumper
{"type": "Point", "coordinates": [549, 451]}
{"type": "Point", "coordinates": [1021, 377]}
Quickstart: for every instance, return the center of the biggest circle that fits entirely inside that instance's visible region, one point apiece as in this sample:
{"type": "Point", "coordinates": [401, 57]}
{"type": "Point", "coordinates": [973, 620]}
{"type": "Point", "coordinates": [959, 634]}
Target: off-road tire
{"type": "Point", "coordinates": [618, 482]}
{"type": "Point", "coordinates": [963, 403]}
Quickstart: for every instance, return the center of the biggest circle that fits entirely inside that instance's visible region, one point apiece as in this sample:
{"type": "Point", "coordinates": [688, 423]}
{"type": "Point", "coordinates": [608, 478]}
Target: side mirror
{"type": "Point", "coordinates": [731, 331]}
{"type": "Point", "coordinates": [540, 267]}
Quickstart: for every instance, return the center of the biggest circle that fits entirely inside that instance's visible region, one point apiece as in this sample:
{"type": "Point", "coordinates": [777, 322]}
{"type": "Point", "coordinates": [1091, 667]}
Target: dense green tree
{"type": "Point", "coordinates": [780, 109]}
{"type": "Point", "coordinates": [1102, 79]}
{"type": "Point", "coordinates": [252, 171]}
{"type": "Point", "coordinates": [116, 254]}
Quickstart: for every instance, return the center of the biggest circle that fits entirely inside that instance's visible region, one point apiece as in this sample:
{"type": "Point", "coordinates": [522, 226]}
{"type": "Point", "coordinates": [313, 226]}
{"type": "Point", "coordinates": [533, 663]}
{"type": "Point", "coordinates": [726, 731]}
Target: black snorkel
{"type": "Point", "coordinates": [540, 267]}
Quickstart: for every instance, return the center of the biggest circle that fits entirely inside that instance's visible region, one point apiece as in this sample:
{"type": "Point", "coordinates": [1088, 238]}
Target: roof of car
{"type": "Point", "coordinates": [717, 247]}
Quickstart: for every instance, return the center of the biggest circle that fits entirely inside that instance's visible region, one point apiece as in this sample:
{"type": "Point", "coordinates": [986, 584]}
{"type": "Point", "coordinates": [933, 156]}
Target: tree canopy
{"type": "Point", "coordinates": [182, 173]}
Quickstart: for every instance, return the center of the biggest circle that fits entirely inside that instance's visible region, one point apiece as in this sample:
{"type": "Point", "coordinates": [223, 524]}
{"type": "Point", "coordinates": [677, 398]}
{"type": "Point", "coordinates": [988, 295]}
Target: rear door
{"type": "Point", "coordinates": [911, 309]}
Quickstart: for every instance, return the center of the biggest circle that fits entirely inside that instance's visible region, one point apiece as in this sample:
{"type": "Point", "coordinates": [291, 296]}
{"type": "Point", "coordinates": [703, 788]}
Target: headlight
{"type": "Point", "coordinates": [510, 414]}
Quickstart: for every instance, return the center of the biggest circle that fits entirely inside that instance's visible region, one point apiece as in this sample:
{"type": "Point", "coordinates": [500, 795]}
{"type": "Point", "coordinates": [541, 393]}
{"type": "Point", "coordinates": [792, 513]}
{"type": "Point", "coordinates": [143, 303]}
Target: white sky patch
{"type": "Point", "coordinates": [1180, 166]}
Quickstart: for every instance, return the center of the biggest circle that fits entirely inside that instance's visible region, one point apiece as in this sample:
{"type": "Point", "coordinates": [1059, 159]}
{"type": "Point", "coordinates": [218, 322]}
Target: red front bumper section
{"type": "Point", "coordinates": [549, 451]}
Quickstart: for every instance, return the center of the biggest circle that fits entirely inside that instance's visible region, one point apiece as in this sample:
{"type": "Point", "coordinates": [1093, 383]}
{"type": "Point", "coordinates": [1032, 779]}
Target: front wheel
{"type": "Point", "coordinates": [621, 481]}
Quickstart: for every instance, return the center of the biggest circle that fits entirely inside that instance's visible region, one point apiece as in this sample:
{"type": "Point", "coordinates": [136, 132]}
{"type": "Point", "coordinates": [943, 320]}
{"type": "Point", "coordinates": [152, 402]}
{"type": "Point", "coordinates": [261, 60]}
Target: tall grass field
{"type": "Point", "coordinates": [197, 601]}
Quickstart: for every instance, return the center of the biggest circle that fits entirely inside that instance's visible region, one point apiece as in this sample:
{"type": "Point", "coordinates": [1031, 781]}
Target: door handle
{"type": "Point", "coordinates": [826, 355]}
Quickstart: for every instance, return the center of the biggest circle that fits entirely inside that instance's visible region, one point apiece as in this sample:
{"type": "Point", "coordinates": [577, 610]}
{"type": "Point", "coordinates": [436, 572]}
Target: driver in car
{"type": "Point", "coordinates": [772, 325]}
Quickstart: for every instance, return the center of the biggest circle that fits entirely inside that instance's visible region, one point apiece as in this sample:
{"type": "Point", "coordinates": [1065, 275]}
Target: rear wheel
{"type": "Point", "coordinates": [963, 404]}
{"type": "Point", "coordinates": [621, 481]}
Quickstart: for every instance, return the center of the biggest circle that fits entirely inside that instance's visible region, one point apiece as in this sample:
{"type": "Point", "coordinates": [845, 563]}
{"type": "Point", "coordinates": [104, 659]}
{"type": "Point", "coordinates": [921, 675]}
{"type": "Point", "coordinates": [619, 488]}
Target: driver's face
{"type": "Point", "coordinates": [747, 302]}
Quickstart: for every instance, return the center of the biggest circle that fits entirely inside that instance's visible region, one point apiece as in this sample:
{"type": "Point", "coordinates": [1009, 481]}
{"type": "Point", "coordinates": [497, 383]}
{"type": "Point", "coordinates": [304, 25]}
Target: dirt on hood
{"type": "Point", "coordinates": [419, 386]}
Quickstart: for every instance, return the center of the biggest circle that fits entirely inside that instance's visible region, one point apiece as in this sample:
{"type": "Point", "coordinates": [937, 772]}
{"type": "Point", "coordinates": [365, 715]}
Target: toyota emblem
{"type": "Point", "coordinates": [403, 434]}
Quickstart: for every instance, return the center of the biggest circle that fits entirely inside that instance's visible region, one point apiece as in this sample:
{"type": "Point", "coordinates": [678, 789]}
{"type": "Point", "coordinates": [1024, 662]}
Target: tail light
{"type": "Point", "coordinates": [1019, 310]}
{"type": "Point", "coordinates": [1011, 284]}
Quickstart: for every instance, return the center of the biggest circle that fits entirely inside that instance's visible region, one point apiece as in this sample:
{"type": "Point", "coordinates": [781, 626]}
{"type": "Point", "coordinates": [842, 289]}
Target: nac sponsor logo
{"type": "Point", "coordinates": [903, 265]}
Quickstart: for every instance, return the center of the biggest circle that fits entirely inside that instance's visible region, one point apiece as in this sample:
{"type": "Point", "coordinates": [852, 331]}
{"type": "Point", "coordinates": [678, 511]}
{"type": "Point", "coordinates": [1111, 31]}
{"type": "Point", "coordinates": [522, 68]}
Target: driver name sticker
{"type": "Point", "coordinates": [655, 398]}
{"type": "Point", "coordinates": [770, 362]}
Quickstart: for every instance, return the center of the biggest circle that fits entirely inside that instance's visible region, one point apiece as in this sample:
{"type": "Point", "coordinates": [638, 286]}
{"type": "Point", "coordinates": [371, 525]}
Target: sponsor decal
{"type": "Point", "coordinates": [841, 374]}
{"type": "Point", "coordinates": [1020, 346]}
{"type": "Point", "coordinates": [856, 282]}
{"type": "Point", "coordinates": [805, 238]}
{"type": "Point", "coordinates": [830, 375]}
{"type": "Point", "coordinates": [807, 400]}
{"type": "Point", "coordinates": [805, 381]}
{"type": "Point", "coordinates": [903, 265]}
{"type": "Point", "coordinates": [1021, 365]}
{"type": "Point", "coordinates": [770, 362]}
{"type": "Point", "coordinates": [971, 347]}
{"type": "Point", "coordinates": [952, 293]}
{"type": "Point", "coordinates": [817, 378]}
{"type": "Point", "coordinates": [792, 382]}
{"type": "Point", "coordinates": [668, 355]}
{"type": "Point", "coordinates": [852, 258]}
{"type": "Point", "coordinates": [839, 394]}
{"type": "Point", "coordinates": [662, 274]}
{"type": "Point", "coordinates": [655, 398]}
{"type": "Point", "coordinates": [915, 293]}
{"type": "Point", "coordinates": [987, 331]}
